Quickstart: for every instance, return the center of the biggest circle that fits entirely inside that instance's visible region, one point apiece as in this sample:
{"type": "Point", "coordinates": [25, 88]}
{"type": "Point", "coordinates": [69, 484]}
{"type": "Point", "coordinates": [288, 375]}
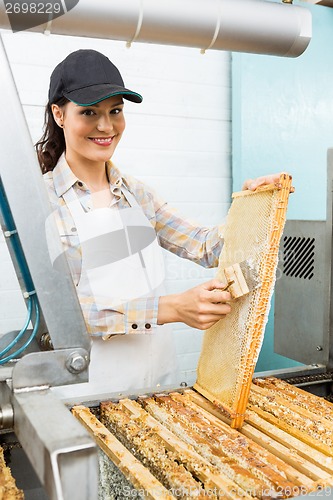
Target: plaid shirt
{"type": "Point", "coordinates": [175, 233]}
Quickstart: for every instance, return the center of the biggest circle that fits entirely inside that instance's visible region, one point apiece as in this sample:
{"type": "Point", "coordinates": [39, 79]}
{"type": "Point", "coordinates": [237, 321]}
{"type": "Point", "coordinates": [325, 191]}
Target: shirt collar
{"type": "Point", "coordinates": [64, 178]}
{"type": "Point", "coordinates": [115, 176]}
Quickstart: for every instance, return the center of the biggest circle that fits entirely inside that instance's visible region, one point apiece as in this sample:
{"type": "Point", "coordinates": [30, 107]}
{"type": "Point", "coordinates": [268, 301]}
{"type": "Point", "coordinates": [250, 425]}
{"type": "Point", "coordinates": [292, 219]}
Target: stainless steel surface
{"type": "Point", "coordinates": [8, 337]}
{"type": "Point", "coordinates": [302, 294]}
{"type": "Point", "coordinates": [50, 369]}
{"type": "Point", "coordinates": [329, 247]}
{"type": "Point", "coordinates": [6, 416]}
{"type": "Point", "coordinates": [6, 373]}
{"type": "Point", "coordinates": [6, 406]}
{"type": "Point", "coordinates": [40, 240]}
{"type": "Point", "coordinates": [257, 26]}
{"type": "Point", "coordinates": [59, 448]}
{"type": "Point", "coordinates": [303, 327]}
{"type": "Point", "coordinates": [94, 399]}
{"type": "Point", "coordinates": [295, 371]}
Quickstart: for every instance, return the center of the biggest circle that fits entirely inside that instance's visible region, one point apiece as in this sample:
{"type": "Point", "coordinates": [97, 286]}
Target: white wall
{"type": "Point", "coordinates": [177, 140]}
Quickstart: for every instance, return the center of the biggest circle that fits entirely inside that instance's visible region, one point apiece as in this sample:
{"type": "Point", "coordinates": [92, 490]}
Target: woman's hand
{"type": "Point", "coordinates": [252, 184]}
{"type": "Point", "coordinates": [200, 307]}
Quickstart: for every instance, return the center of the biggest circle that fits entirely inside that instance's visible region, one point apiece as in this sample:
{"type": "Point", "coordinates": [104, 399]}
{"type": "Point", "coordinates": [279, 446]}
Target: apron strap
{"type": "Point", "coordinates": [73, 203]}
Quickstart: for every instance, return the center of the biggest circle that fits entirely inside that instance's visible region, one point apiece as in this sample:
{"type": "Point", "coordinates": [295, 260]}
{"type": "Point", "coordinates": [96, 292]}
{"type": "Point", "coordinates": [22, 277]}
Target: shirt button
{"type": "Point", "coordinates": [134, 326]}
{"type": "Point", "coordinates": [80, 184]}
{"type": "Point", "coordinates": [73, 229]}
{"type": "Point", "coordinates": [147, 326]}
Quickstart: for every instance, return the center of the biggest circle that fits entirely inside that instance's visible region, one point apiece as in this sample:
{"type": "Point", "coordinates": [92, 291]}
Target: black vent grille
{"type": "Point", "coordinates": [298, 257]}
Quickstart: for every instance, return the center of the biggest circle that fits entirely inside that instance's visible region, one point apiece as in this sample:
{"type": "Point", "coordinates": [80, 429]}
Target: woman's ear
{"type": "Point", "coordinates": [58, 115]}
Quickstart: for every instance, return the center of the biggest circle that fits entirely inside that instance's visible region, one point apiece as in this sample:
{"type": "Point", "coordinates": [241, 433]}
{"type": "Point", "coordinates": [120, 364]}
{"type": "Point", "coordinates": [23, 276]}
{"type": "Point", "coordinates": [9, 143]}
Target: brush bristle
{"type": "Point", "coordinates": [250, 274]}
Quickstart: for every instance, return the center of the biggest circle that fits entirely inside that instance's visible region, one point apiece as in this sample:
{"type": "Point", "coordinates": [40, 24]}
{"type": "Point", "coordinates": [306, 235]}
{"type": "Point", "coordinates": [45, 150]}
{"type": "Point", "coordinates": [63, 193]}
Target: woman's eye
{"type": "Point", "coordinates": [116, 111]}
{"type": "Point", "coordinates": [88, 112]}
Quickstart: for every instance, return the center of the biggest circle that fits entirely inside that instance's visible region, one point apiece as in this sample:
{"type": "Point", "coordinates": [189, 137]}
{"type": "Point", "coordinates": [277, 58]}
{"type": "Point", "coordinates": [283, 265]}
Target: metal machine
{"type": "Point", "coordinates": [303, 298]}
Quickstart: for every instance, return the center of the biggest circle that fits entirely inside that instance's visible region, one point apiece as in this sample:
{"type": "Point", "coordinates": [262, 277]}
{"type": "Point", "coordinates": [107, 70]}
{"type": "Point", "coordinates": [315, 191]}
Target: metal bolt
{"type": "Point", "coordinates": [46, 342]}
{"type": "Point", "coordinates": [183, 384]}
{"type": "Point", "coordinates": [76, 363]}
{"type": "Point", "coordinates": [8, 234]}
{"type": "Point", "coordinates": [319, 348]}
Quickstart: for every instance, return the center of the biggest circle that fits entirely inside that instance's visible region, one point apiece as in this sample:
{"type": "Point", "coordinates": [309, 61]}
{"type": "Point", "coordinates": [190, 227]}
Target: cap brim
{"type": "Point", "coordinates": [91, 95]}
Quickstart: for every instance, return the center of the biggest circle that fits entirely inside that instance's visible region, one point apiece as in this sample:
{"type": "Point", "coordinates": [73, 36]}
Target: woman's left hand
{"type": "Point", "coordinates": [253, 184]}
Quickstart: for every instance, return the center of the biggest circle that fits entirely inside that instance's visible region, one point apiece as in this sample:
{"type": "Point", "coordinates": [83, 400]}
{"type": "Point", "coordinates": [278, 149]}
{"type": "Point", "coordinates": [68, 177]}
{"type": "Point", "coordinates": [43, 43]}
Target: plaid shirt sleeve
{"type": "Point", "coordinates": [135, 316]}
{"type": "Point", "coordinates": [182, 237]}
{"type": "Point", "coordinates": [176, 233]}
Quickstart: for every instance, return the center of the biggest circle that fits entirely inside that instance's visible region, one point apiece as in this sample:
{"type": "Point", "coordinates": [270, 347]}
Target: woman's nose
{"type": "Point", "coordinates": [105, 124]}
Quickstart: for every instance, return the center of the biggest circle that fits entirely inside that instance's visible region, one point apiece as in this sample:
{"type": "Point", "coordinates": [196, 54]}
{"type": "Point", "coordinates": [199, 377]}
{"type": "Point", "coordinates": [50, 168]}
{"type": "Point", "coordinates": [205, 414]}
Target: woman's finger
{"type": "Point", "coordinates": [253, 184]}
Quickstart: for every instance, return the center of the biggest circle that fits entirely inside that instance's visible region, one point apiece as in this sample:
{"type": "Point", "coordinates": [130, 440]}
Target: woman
{"type": "Point", "coordinates": [112, 226]}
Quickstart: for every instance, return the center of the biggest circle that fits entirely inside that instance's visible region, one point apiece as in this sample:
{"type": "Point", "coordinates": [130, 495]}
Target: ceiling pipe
{"type": "Point", "coordinates": [255, 26]}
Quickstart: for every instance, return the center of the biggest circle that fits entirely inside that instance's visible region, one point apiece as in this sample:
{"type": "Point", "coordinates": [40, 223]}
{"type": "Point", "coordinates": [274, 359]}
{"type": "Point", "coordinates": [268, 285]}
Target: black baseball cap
{"type": "Point", "coordinates": [86, 77]}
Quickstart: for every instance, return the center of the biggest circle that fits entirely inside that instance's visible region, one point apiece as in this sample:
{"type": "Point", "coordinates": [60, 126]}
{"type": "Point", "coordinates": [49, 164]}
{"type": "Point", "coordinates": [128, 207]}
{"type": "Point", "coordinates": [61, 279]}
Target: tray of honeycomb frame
{"type": "Point", "coordinates": [231, 347]}
{"type": "Point", "coordinates": [180, 445]}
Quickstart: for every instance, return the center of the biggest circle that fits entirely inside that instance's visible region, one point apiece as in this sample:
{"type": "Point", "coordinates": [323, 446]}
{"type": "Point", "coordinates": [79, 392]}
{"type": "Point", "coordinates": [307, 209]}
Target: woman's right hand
{"type": "Point", "coordinates": [199, 307]}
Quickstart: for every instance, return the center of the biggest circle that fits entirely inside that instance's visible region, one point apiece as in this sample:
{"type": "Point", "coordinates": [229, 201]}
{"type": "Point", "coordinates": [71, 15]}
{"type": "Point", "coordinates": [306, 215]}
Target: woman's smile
{"type": "Point", "coordinates": [102, 141]}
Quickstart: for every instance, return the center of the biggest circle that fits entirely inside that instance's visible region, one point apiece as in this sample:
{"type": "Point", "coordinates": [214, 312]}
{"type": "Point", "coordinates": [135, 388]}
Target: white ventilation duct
{"type": "Point", "coordinates": [255, 26]}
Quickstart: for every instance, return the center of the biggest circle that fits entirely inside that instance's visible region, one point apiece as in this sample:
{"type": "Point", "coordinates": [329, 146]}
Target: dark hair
{"type": "Point", "coordinates": [52, 143]}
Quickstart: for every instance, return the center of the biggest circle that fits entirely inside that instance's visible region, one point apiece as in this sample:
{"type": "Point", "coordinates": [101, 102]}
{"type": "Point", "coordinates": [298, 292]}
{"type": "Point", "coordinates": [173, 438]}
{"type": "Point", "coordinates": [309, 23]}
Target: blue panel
{"type": "Point", "coordinates": [282, 120]}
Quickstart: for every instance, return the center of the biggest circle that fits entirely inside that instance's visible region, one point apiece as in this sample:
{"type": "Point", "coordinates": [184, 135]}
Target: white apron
{"type": "Point", "coordinates": [121, 259]}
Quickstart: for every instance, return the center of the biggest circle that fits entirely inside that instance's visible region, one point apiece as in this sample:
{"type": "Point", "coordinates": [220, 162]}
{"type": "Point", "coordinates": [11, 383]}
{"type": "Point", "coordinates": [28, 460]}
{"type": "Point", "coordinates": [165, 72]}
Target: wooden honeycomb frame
{"type": "Point", "coordinates": [249, 314]}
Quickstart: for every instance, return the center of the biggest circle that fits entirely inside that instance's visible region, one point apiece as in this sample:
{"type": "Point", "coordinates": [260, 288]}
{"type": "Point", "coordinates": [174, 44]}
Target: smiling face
{"type": "Point", "coordinates": [92, 133]}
